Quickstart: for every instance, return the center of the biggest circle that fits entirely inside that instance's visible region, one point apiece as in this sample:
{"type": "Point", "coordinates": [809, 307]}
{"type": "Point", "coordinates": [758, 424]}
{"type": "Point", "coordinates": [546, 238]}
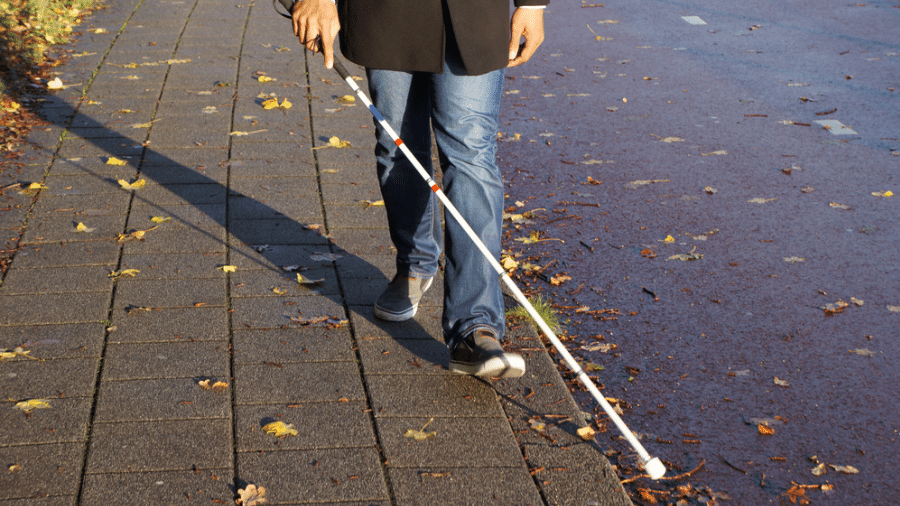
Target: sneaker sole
{"type": "Point", "coordinates": [384, 314]}
{"type": "Point", "coordinates": [509, 365]}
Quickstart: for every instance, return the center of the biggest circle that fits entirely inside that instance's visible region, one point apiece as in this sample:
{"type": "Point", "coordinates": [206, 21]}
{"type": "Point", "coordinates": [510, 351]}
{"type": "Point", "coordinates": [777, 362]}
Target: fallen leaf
{"type": "Point", "coordinates": [306, 281]}
{"type": "Point", "coordinates": [508, 262]}
{"type": "Point", "coordinates": [336, 142]}
{"type": "Point", "coordinates": [82, 228]}
{"type": "Point", "coordinates": [160, 219]}
{"type": "Point", "coordinates": [33, 188]}
{"type": "Point", "coordinates": [782, 383]}
{"type": "Point", "coordinates": [844, 469]}
{"type": "Point", "coordinates": [834, 205]}
{"type": "Point", "coordinates": [834, 307]}
{"type": "Point", "coordinates": [124, 272]}
{"type": "Point", "coordinates": [765, 430]}
{"type": "Point", "coordinates": [272, 103]}
{"type": "Point", "coordinates": [32, 404]}
{"type": "Point", "coordinates": [760, 201]}
{"type": "Point", "coordinates": [670, 140]}
{"type": "Point", "coordinates": [819, 470]}
{"type": "Point", "coordinates": [55, 84]}
{"type": "Point", "coordinates": [227, 268]}
{"type": "Point", "coordinates": [137, 185]}
{"type": "Point", "coordinates": [886, 193]}
{"type": "Point", "coordinates": [265, 79]}
{"type": "Point", "coordinates": [559, 279]}
{"type": "Point", "coordinates": [855, 301]}
{"type": "Point", "coordinates": [346, 99]}
{"type": "Point", "coordinates": [115, 161]}
{"type": "Point", "coordinates": [16, 352]}
{"type": "Point", "coordinates": [15, 468]}
{"type": "Point", "coordinates": [137, 235]}
{"type": "Point", "coordinates": [894, 309]}
{"type": "Point", "coordinates": [719, 152]}
{"type": "Point", "coordinates": [420, 435]}
{"type": "Point", "coordinates": [586, 433]}
{"type": "Point", "coordinates": [218, 386]}
{"type": "Point", "coordinates": [863, 351]}
{"type": "Point", "coordinates": [684, 257]}
{"type": "Point", "coordinates": [279, 429]}
{"type": "Point", "coordinates": [372, 203]}
{"type": "Point", "coordinates": [251, 496]}
{"type": "Point", "coordinates": [648, 253]}
{"type": "Point", "coordinates": [668, 239]}
{"type": "Point", "coordinates": [794, 259]}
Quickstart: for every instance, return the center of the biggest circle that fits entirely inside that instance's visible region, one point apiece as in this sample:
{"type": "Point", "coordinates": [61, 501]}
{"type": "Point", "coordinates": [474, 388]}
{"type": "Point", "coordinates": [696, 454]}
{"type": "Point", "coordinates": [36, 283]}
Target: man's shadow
{"type": "Point", "coordinates": [262, 241]}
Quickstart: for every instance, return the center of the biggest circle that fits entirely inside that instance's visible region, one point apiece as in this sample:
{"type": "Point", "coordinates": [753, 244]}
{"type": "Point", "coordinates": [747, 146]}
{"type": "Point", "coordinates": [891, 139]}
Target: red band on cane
{"type": "Point", "coordinates": [398, 142]}
{"type": "Point", "coordinates": [435, 188]}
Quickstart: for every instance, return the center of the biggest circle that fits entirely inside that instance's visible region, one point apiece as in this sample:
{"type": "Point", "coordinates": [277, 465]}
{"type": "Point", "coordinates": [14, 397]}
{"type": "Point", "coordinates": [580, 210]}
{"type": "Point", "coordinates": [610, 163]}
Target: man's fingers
{"type": "Point", "coordinates": [528, 23]}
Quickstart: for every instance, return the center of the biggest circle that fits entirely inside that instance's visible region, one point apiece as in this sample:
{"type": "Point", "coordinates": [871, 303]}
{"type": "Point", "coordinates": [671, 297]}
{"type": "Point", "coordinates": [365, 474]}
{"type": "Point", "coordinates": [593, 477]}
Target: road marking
{"type": "Point", "coordinates": [836, 127]}
{"type": "Point", "coordinates": [694, 20]}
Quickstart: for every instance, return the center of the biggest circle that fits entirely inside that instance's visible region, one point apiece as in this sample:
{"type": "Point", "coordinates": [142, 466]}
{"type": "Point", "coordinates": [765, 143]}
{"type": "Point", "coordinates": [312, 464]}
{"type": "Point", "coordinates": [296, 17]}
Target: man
{"type": "Point", "coordinates": [437, 64]}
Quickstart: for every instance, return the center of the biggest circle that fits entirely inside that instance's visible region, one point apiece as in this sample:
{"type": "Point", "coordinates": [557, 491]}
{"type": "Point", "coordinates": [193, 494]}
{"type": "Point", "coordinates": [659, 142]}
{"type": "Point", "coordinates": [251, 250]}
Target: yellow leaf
{"type": "Point", "coordinates": [285, 104]}
{"type": "Point", "coordinates": [265, 79]}
{"type": "Point", "coordinates": [270, 104]}
{"type": "Point", "coordinates": [794, 259]}
{"type": "Point", "coordinates": [508, 262]}
{"type": "Point", "coordinates": [17, 352]}
{"type": "Point", "coordinates": [586, 433]}
{"type": "Point", "coordinates": [420, 435]}
{"type": "Point", "coordinates": [865, 352]}
{"type": "Point", "coordinates": [887, 193]}
{"type": "Point", "coordinates": [160, 219]}
{"type": "Point", "coordinates": [115, 161]}
{"type": "Point", "coordinates": [137, 185]}
{"type": "Point", "coordinates": [346, 99]}
{"type": "Point", "coordinates": [781, 382]}
{"type": "Point", "coordinates": [136, 235]}
{"type": "Point", "coordinates": [123, 111]}
{"type": "Point", "coordinates": [373, 203]}
{"type": "Point", "coordinates": [32, 404]}
{"type": "Point", "coordinates": [306, 281]}
{"type": "Point", "coordinates": [124, 272]}
{"type": "Point", "coordinates": [669, 238]}
{"type": "Point", "coordinates": [719, 152]}
{"type": "Point", "coordinates": [278, 291]}
{"type": "Point", "coordinates": [142, 125]}
{"type": "Point", "coordinates": [759, 201]}
{"type": "Point", "coordinates": [227, 268]}
{"type": "Point", "coordinates": [81, 227]}
{"type": "Point", "coordinates": [336, 142]}
{"type": "Point", "coordinates": [33, 188]}
{"type": "Point", "coordinates": [279, 429]}
{"type": "Point", "coordinates": [56, 84]}
{"type": "Point", "coordinates": [251, 496]}
{"type": "Point", "coordinates": [669, 140]}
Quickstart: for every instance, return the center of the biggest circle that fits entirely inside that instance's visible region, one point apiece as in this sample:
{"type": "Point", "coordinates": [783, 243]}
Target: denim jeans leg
{"type": "Point", "coordinates": [465, 111]}
{"type": "Point", "coordinates": [403, 98]}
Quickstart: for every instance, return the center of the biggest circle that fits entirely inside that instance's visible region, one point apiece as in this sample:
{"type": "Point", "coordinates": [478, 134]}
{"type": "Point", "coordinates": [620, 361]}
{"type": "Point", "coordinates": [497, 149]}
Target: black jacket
{"type": "Point", "coordinates": [411, 35]}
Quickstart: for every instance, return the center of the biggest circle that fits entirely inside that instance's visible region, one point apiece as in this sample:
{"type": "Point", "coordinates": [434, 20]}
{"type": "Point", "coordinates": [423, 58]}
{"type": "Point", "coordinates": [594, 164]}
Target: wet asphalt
{"type": "Point", "coordinates": [776, 212]}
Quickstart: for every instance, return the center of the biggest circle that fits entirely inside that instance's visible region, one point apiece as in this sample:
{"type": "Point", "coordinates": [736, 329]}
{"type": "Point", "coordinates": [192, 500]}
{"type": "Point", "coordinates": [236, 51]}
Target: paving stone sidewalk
{"type": "Point", "coordinates": [173, 90]}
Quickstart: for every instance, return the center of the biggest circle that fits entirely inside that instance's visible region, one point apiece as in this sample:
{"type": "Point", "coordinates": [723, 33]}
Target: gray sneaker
{"type": "Point", "coordinates": [480, 354]}
{"type": "Point", "coordinates": [400, 299]}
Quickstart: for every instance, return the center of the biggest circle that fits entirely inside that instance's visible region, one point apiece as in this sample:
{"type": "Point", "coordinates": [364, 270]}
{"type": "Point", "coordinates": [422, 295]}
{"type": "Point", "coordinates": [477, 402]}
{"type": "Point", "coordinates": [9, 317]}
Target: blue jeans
{"type": "Point", "coordinates": [463, 111]}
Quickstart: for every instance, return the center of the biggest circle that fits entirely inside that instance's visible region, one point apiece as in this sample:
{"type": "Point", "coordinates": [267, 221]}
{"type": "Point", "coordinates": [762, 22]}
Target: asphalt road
{"type": "Point", "coordinates": [723, 116]}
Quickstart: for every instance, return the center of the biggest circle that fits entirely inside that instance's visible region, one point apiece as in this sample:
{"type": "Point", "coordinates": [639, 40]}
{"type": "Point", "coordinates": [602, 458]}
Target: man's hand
{"type": "Point", "coordinates": [316, 25]}
{"type": "Point", "coordinates": [528, 23]}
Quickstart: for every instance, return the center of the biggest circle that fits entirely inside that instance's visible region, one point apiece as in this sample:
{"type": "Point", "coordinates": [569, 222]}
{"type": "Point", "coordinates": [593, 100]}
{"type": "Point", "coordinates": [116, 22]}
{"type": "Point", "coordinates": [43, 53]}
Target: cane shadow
{"type": "Point", "coordinates": [263, 242]}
